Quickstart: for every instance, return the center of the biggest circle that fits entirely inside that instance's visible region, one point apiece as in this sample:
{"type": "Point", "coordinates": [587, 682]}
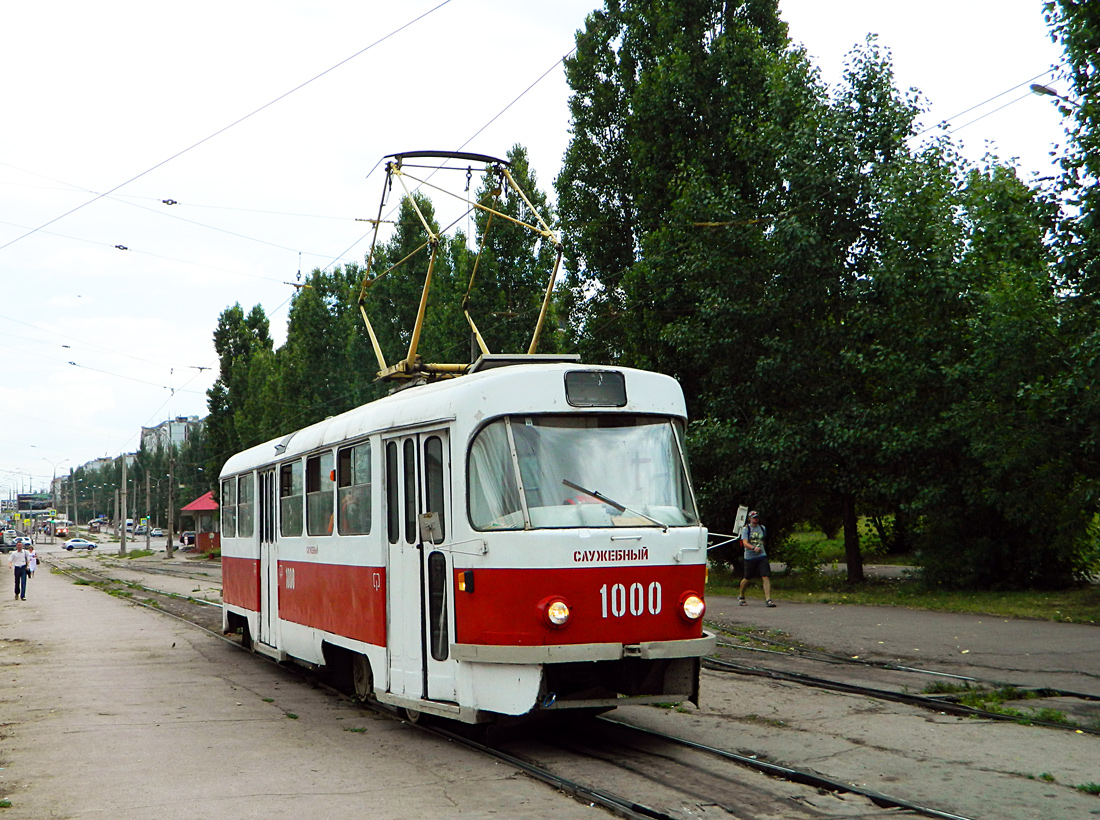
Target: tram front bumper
{"type": "Point", "coordinates": [573, 653]}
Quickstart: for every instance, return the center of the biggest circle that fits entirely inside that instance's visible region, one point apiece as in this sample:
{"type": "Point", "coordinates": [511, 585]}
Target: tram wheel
{"type": "Point", "coordinates": [413, 715]}
{"type": "Point", "coordinates": [362, 680]}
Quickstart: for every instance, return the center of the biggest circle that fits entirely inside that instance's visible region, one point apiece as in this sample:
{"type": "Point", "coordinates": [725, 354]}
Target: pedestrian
{"type": "Point", "coordinates": [32, 561]}
{"type": "Point", "coordinates": [756, 559]}
{"type": "Point", "coordinates": [18, 562]}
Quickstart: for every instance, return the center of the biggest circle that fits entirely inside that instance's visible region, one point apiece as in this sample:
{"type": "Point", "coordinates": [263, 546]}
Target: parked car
{"type": "Point", "coordinates": [141, 529]}
{"type": "Point", "coordinates": [79, 544]}
{"type": "Point", "coordinates": [157, 532]}
{"type": "Point", "coordinates": [25, 540]}
{"type": "Point", "coordinates": [187, 538]}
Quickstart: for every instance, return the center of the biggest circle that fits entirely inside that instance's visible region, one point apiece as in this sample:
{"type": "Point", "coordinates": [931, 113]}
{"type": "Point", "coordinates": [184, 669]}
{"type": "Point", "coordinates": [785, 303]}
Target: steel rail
{"type": "Point", "coordinates": [794, 775]}
{"type": "Point", "coordinates": [922, 701]}
{"type": "Point", "coordinates": [133, 584]}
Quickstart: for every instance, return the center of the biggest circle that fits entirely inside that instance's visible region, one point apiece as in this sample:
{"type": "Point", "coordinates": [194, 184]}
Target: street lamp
{"type": "Point", "coordinates": [53, 490]}
{"type": "Point", "coordinates": [1047, 91]}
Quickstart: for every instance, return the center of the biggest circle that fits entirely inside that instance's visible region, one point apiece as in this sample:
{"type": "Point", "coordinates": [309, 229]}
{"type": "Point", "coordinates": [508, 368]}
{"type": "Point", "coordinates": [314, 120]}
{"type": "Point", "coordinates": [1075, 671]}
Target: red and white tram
{"type": "Point", "coordinates": [519, 539]}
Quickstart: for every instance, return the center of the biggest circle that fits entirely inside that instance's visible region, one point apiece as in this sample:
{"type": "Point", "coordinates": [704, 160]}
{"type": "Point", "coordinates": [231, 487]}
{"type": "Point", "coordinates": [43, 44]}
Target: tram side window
{"type": "Point", "coordinates": [353, 489]}
{"type": "Point", "coordinates": [393, 513]}
{"type": "Point", "coordinates": [494, 492]}
{"type": "Point", "coordinates": [319, 494]}
{"type": "Point", "coordinates": [290, 499]}
{"type": "Point", "coordinates": [433, 473]}
{"type": "Point", "coordinates": [229, 508]}
{"type": "Point", "coordinates": [409, 453]}
{"type": "Point", "coordinates": [246, 491]}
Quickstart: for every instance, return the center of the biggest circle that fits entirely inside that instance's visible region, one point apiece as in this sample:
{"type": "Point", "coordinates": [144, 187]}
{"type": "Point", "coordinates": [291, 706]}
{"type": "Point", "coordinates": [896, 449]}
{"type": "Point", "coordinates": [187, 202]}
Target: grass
{"type": "Point", "coordinates": [994, 700]}
{"type": "Point", "coordinates": [1078, 605]}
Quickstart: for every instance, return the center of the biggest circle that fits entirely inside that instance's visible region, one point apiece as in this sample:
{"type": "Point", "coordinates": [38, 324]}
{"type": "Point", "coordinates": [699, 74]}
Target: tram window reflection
{"type": "Point", "coordinates": [632, 460]}
{"type": "Point", "coordinates": [433, 466]}
{"type": "Point", "coordinates": [353, 481]}
{"type": "Point", "coordinates": [246, 490]}
{"type": "Point", "coordinates": [228, 505]}
{"type": "Point", "coordinates": [290, 499]}
{"type": "Point", "coordinates": [319, 494]}
{"type": "Point", "coordinates": [409, 469]}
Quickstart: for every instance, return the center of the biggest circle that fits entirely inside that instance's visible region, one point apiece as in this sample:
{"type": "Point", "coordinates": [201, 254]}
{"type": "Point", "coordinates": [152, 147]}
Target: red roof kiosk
{"type": "Point", "coordinates": [204, 510]}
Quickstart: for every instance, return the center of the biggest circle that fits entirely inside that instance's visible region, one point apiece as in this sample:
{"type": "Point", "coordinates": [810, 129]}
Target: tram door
{"type": "Point", "coordinates": [269, 560]}
{"type": "Point", "coordinates": [418, 580]}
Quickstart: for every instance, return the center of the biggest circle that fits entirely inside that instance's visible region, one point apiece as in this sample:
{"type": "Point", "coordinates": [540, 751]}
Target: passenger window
{"type": "Point", "coordinates": [319, 494]}
{"type": "Point", "coordinates": [290, 499]}
{"type": "Point", "coordinates": [229, 508]}
{"type": "Point", "coordinates": [433, 472]}
{"type": "Point", "coordinates": [410, 491]}
{"type": "Point", "coordinates": [438, 629]}
{"type": "Point", "coordinates": [393, 512]}
{"type": "Point", "coordinates": [245, 515]}
{"type": "Point", "coordinates": [353, 489]}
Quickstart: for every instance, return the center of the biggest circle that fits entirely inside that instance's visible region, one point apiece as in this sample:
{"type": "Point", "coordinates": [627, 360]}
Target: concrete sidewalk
{"type": "Point", "coordinates": [113, 711]}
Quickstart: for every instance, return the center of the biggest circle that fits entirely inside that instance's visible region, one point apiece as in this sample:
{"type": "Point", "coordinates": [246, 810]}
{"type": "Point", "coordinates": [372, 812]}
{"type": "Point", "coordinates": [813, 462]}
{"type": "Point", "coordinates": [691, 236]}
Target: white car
{"type": "Point", "coordinates": [79, 544]}
{"type": "Point", "coordinates": [156, 533]}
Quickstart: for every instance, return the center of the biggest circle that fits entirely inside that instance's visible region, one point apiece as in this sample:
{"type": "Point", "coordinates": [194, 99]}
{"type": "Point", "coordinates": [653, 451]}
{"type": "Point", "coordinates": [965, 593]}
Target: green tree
{"type": "Point", "coordinates": [236, 339]}
{"type": "Point", "coordinates": [723, 208]}
{"type": "Point", "coordinates": [515, 263]}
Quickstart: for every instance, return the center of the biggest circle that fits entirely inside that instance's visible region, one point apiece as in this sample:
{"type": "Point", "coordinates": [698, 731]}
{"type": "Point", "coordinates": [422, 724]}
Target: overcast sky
{"type": "Point", "coordinates": [145, 100]}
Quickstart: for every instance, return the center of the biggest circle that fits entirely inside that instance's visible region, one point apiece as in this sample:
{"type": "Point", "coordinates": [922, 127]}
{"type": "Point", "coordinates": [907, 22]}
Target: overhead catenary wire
{"type": "Point", "coordinates": [231, 125]}
{"type": "Point", "coordinates": [986, 102]}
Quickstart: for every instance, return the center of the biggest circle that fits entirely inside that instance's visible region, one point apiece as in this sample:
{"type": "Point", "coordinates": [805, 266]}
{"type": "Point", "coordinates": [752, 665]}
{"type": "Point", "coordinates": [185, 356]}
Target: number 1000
{"type": "Point", "coordinates": [640, 599]}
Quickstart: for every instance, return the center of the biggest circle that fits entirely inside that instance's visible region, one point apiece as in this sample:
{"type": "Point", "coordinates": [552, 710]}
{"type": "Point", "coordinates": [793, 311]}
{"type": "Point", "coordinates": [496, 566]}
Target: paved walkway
{"type": "Point", "coordinates": [111, 711]}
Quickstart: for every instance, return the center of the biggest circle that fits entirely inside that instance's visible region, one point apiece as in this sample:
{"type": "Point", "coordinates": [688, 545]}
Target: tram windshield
{"type": "Point", "coordinates": [636, 461]}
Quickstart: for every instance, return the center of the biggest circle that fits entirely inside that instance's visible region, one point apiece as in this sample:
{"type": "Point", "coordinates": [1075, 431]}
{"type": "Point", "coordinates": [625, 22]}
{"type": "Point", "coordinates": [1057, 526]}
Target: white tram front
{"type": "Point", "coordinates": [519, 539]}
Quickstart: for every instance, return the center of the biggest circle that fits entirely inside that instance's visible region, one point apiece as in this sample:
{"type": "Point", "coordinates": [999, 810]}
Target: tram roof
{"type": "Point", "coordinates": [468, 401]}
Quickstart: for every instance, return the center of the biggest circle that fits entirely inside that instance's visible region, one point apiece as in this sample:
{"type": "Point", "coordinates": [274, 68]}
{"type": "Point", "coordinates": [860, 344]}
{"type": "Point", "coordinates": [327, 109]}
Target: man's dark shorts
{"type": "Point", "coordinates": [758, 567]}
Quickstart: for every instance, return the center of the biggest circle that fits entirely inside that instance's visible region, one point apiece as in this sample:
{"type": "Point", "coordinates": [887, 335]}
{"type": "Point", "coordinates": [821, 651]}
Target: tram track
{"type": "Point", "coordinates": [171, 571]}
{"type": "Point", "coordinates": [648, 767]}
{"type": "Point", "coordinates": [945, 702]}
{"type": "Point", "coordinates": [696, 776]}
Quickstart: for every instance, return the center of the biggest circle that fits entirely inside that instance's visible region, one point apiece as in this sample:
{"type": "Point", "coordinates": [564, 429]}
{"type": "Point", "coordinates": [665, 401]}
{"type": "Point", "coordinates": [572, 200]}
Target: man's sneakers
{"type": "Point", "coordinates": [769, 602]}
{"type": "Point", "coordinates": [742, 601]}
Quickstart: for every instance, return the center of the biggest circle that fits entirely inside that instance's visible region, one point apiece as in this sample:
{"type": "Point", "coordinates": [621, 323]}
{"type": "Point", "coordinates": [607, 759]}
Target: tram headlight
{"type": "Point", "coordinates": [556, 612]}
{"type": "Point", "coordinates": [692, 606]}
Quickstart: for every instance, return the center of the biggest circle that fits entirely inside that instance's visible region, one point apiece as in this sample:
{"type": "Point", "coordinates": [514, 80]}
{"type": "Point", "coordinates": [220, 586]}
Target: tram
{"type": "Point", "coordinates": [518, 540]}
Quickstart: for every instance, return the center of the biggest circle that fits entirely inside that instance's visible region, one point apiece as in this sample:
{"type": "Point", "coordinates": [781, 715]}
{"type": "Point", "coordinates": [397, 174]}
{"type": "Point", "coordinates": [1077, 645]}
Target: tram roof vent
{"type": "Point", "coordinates": [488, 361]}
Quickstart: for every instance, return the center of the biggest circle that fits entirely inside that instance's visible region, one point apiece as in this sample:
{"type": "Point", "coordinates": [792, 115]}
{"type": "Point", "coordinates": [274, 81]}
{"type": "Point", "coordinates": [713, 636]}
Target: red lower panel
{"type": "Point", "coordinates": [241, 582]}
{"type": "Point", "coordinates": [628, 605]}
{"type": "Point", "coordinates": [349, 601]}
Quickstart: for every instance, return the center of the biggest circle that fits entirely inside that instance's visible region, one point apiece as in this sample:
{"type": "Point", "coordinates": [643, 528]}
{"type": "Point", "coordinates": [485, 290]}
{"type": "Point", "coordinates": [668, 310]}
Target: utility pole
{"type": "Point", "coordinates": [148, 510]}
{"type": "Point", "coordinates": [76, 511]}
{"type": "Point", "coordinates": [171, 518]}
{"type": "Point", "coordinates": [122, 521]}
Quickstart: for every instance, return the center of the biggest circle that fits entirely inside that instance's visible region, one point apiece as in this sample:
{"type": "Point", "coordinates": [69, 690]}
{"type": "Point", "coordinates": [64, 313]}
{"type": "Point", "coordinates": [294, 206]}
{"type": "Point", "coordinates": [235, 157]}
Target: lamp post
{"type": "Point", "coordinates": [1047, 91]}
{"type": "Point", "coordinates": [53, 492]}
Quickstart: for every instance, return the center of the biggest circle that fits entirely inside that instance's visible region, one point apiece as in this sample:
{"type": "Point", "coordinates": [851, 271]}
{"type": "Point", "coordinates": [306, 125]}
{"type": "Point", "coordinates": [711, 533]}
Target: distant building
{"type": "Point", "coordinates": [172, 432]}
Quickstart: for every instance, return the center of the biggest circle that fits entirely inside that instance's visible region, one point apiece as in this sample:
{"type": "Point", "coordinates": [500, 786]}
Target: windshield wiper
{"type": "Point", "coordinates": [615, 504]}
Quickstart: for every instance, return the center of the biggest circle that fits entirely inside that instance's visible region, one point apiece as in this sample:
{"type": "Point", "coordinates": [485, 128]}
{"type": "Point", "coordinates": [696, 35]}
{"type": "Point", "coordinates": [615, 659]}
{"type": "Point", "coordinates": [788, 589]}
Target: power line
{"type": "Point", "coordinates": [986, 102]}
{"type": "Point", "coordinates": [227, 127]}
